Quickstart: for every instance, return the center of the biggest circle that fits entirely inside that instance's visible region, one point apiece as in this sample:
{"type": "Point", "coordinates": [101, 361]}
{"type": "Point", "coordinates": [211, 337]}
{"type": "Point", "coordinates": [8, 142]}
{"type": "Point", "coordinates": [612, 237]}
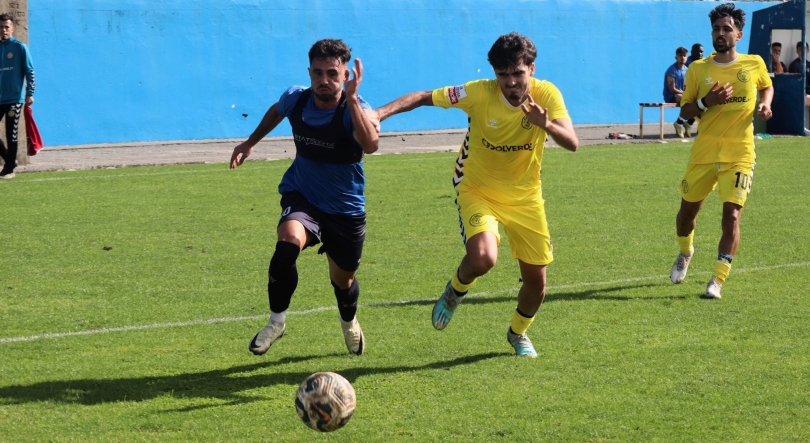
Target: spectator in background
{"type": "Point", "coordinates": [674, 80]}
{"type": "Point", "coordinates": [16, 71]}
{"type": "Point", "coordinates": [777, 67]}
{"type": "Point", "coordinates": [697, 54]}
{"type": "Point", "coordinates": [796, 68]}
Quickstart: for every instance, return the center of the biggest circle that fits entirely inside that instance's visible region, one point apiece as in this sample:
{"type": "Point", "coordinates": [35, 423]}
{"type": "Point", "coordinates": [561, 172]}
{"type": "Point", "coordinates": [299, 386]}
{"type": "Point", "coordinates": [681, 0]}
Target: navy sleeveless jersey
{"type": "Point", "coordinates": [328, 166]}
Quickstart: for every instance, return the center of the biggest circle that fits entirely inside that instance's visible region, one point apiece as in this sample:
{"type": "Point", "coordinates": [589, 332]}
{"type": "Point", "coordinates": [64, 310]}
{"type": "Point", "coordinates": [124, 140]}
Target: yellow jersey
{"type": "Point", "coordinates": [726, 131]}
{"type": "Point", "coordinates": [500, 158]}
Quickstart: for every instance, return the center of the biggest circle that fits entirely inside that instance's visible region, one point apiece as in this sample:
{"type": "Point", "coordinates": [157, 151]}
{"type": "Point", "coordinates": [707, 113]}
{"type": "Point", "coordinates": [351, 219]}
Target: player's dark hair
{"type": "Point", "coordinates": [681, 51]}
{"type": "Point", "coordinates": [7, 16]}
{"type": "Point", "coordinates": [776, 45]}
{"type": "Point", "coordinates": [728, 10]}
{"type": "Point", "coordinates": [330, 48]}
{"type": "Point", "coordinates": [697, 46]}
{"type": "Point", "coordinates": [511, 49]}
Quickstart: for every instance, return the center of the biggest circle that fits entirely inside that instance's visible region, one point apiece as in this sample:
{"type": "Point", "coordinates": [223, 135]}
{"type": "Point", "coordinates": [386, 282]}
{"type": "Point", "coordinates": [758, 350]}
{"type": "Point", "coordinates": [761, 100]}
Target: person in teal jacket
{"type": "Point", "coordinates": [16, 71]}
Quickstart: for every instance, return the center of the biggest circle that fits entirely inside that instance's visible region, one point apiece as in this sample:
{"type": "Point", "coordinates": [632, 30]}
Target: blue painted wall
{"type": "Point", "coordinates": [143, 70]}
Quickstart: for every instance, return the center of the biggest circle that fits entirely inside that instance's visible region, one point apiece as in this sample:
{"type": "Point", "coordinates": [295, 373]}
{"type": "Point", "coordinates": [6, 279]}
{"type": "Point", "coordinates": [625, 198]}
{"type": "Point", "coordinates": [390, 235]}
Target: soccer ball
{"type": "Point", "coordinates": [325, 401]}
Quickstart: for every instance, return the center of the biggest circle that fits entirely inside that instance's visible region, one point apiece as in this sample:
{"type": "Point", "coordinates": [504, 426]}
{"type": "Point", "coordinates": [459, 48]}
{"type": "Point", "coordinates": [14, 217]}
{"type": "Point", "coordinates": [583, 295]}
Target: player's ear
{"type": "Point", "coordinates": [531, 70]}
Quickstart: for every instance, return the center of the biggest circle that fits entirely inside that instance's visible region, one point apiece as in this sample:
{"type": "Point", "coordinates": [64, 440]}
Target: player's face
{"type": "Point", "coordinates": [327, 76]}
{"type": "Point", "coordinates": [776, 51]}
{"type": "Point", "coordinates": [6, 30]}
{"type": "Point", "coordinates": [680, 59]}
{"type": "Point", "coordinates": [725, 35]}
{"type": "Point", "coordinates": [697, 53]}
{"type": "Point", "coordinates": [514, 82]}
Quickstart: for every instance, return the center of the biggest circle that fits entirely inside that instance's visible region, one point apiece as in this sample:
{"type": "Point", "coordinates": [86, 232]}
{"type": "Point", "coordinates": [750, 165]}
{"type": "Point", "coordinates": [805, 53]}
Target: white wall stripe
{"type": "Point", "coordinates": [272, 163]}
{"type": "Point", "coordinates": [368, 305]}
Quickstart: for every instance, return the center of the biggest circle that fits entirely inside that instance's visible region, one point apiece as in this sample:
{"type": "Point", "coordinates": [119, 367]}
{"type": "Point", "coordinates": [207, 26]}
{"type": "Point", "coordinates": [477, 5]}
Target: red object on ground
{"type": "Point", "coordinates": [31, 132]}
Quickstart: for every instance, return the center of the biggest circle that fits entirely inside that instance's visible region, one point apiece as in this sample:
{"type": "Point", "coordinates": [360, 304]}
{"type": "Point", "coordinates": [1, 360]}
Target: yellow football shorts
{"type": "Point", "coordinates": [525, 225]}
{"type": "Point", "coordinates": [734, 180]}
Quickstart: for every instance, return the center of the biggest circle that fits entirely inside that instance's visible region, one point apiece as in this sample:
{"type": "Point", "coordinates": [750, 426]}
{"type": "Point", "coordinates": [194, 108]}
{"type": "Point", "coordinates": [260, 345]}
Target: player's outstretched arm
{"type": "Point", "coordinates": [406, 103]}
{"type": "Point", "coordinates": [561, 130]}
{"type": "Point", "coordinates": [270, 120]}
{"type": "Point", "coordinates": [364, 130]}
{"type": "Point", "coordinates": [764, 107]}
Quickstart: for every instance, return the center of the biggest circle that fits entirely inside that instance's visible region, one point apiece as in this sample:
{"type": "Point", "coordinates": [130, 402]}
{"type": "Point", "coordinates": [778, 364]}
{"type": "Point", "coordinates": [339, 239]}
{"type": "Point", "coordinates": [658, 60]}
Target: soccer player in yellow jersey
{"type": "Point", "coordinates": [723, 153]}
{"type": "Point", "coordinates": [497, 175]}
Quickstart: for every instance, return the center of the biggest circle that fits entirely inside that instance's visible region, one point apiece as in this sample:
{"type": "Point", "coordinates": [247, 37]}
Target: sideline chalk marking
{"type": "Point", "coordinates": [369, 305]}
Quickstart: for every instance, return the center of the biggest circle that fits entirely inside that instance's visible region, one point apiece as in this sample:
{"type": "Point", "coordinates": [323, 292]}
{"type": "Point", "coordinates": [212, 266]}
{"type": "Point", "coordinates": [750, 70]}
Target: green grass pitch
{"type": "Point", "coordinates": [129, 297]}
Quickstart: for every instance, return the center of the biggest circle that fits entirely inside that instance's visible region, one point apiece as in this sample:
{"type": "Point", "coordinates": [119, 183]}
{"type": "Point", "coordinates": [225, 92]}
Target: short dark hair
{"type": "Point", "coordinates": [696, 46]}
{"type": "Point", "coordinates": [681, 51]}
{"type": "Point", "coordinates": [776, 45]}
{"type": "Point", "coordinates": [511, 49]}
{"type": "Point", "coordinates": [799, 45]}
{"type": "Point", "coordinates": [330, 48]}
{"type": "Point", "coordinates": [728, 10]}
{"type": "Point", "coordinates": [6, 17]}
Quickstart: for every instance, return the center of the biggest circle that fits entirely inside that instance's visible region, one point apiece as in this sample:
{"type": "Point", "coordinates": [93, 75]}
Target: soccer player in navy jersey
{"type": "Point", "coordinates": [322, 192]}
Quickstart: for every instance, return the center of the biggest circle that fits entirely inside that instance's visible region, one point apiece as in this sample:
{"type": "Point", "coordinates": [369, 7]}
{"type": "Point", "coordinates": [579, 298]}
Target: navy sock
{"type": "Point", "coordinates": [282, 276]}
{"type": "Point", "coordinates": [347, 300]}
{"type": "Point", "coordinates": [725, 257]}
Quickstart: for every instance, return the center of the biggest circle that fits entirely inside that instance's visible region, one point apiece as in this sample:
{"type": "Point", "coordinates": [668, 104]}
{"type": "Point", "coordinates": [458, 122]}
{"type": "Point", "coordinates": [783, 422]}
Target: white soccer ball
{"type": "Point", "coordinates": [325, 401]}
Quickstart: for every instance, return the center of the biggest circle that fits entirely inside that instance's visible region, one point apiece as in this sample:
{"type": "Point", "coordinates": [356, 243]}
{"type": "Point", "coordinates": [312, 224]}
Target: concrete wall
{"type": "Point", "coordinates": [141, 70]}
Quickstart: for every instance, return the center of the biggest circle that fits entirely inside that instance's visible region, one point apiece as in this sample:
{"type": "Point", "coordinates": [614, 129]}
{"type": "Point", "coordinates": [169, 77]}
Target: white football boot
{"type": "Point", "coordinates": [713, 289]}
{"type": "Point", "coordinates": [353, 335]}
{"type": "Point", "coordinates": [266, 337]}
{"type": "Point", "coordinates": [678, 273]}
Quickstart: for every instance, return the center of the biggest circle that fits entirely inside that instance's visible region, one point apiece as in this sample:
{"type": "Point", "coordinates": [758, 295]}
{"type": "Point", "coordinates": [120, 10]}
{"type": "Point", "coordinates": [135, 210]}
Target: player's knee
{"type": "Point", "coordinates": [731, 213]}
{"type": "Point", "coordinates": [535, 285]}
{"type": "Point", "coordinates": [482, 263]}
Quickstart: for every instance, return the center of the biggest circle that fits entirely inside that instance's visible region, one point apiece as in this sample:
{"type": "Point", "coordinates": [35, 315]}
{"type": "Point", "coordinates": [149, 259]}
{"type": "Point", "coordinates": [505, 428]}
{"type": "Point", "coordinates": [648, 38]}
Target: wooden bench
{"type": "Point", "coordinates": [641, 107]}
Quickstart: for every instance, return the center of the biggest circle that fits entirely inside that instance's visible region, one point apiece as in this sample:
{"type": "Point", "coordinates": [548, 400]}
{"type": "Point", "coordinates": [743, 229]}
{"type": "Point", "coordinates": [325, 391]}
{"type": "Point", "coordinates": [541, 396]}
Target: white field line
{"type": "Point", "coordinates": [149, 174]}
{"type": "Point", "coordinates": [192, 171]}
{"type": "Point", "coordinates": [595, 148]}
{"type": "Point", "coordinates": [378, 304]}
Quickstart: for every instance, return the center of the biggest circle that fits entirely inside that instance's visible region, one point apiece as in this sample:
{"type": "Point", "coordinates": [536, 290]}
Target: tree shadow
{"type": "Point", "coordinates": [221, 384]}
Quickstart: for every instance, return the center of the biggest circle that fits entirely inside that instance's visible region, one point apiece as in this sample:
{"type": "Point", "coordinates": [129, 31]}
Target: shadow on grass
{"type": "Point", "coordinates": [222, 384]}
{"type": "Point", "coordinates": [589, 294]}
{"type": "Point", "coordinates": [607, 293]}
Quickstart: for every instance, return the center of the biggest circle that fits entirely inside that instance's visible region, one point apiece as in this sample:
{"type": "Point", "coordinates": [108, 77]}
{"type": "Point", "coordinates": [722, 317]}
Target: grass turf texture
{"type": "Point", "coordinates": [624, 355]}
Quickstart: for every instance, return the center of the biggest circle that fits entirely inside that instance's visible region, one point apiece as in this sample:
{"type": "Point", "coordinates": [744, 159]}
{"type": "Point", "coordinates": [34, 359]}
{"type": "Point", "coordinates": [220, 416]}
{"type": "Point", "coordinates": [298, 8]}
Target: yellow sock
{"type": "Point", "coordinates": [721, 270]}
{"type": "Point", "coordinates": [520, 324]}
{"type": "Point", "coordinates": [686, 242]}
{"type": "Point", "coordinates": [461, 288]}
